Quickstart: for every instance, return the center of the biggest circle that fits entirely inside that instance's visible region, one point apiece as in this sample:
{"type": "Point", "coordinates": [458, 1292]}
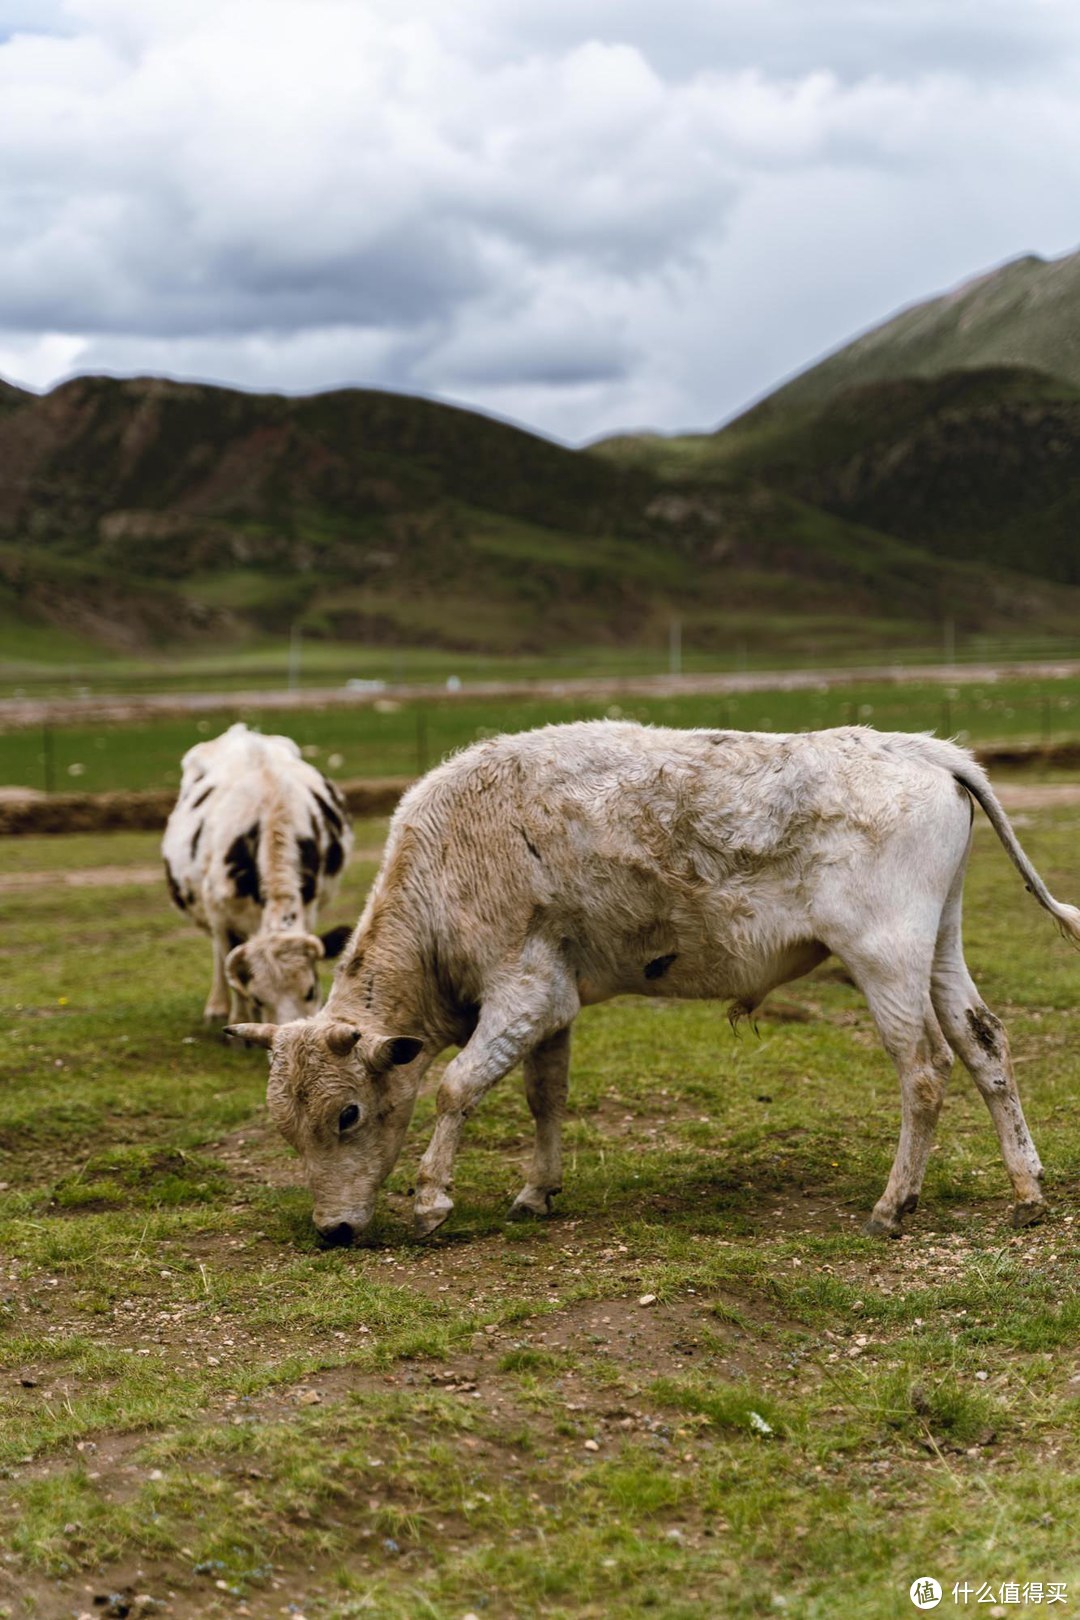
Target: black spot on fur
{"type": "Point", "coordinates": [242, 865]}
{"type": "Point", "coordinates": [986, 1029]}
{"type": "Point", "coordinates": [335, 857]}
{"type": "Point", "coordinates": [196, 835]}
{"type": "Point", "coordinates": [308, 853]}
{"type": "Point", "coordinates": [330, 815]}
{"type": "Point", "coordinates": [233, 939]}
{"type": "Point", "coordinates": [174, 889]}
{"type": "Point", "coordinates": [333, 791]}
{"type": "Point", "coordinates": [203, 796]}
{"type": "Point", "coordinates": [659, 966]}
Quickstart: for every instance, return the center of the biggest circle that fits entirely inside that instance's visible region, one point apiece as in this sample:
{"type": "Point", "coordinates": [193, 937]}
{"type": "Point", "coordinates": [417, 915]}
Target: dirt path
{"type": "Point", "coordinates": [112, 877]}
{"type": "Point", "coordinates": [1038, 795]}
{"type": "Point", "coordinates": [90, 877]}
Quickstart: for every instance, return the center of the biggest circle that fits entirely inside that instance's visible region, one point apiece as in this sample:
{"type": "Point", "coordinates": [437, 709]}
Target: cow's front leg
{"type": "Point", "coordinates": [523, 1015]}
{"type": "Point", "coordinates": [219, 1001]}
{"type": "Point", "coordinates": [547, 1072]}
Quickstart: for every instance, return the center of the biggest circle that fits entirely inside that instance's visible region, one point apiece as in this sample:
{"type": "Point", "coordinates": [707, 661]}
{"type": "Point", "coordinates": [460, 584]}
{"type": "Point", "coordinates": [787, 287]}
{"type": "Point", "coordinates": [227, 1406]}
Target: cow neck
{"type": "Point", "coordinates": [391, 980]}
{"type": "Point", "coordinates": [279, 863]}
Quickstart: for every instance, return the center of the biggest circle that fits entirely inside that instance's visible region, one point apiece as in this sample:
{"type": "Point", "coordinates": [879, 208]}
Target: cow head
{"type": "Point", "coordinates": [342, 1098]}
{"type": "Point", "coordinates": [275, 977]}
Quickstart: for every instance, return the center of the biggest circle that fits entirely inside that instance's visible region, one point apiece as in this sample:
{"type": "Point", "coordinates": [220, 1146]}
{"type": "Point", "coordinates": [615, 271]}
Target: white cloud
{"type": "Point", "coordinates": [581, 216]}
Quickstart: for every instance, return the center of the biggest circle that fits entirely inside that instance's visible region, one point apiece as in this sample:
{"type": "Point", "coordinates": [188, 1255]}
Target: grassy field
{"type": "Point", "coordinates": [697, 1391]}
{"type": "Point", "coordinates": [41, 661]}
{"type": "Point", "coordinates": [402, 738]}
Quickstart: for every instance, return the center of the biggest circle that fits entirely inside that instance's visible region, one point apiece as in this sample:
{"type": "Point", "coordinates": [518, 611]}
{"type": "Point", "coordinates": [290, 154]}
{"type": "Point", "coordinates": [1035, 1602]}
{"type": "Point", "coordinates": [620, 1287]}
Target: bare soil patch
{"type": "Point", "coordinates": [92, 877]}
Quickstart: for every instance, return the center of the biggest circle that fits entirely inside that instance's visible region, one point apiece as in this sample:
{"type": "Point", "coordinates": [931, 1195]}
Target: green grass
{"type": "Point", "coordinates": [403, 738]}
{"type": "Point", "coordinates": [492, 1423]}
{"type": "Point", "coordinates": [775, 626]}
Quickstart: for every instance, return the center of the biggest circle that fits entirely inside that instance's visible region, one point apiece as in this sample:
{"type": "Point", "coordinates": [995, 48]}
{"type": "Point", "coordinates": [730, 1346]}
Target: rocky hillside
{"type": "Point", "coordinates": [142, 512]}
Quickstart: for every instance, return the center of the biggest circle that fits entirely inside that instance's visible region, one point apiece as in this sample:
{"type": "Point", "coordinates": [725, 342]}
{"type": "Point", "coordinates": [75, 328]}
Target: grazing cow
{"type": "Point", "coordinates": [533, 874]}
{"type": "Point", "coordinates": [257, 841]}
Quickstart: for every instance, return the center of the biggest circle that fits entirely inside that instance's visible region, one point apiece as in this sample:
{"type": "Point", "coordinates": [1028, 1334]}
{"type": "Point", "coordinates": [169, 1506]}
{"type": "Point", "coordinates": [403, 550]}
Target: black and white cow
{"type": "Point", "coordinates": [256, 843]}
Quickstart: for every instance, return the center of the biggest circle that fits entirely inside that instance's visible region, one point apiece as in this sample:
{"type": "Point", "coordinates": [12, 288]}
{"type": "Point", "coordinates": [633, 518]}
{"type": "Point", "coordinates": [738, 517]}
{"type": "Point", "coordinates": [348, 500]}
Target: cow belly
{"type": "Point", "coordinates": [699, 975]}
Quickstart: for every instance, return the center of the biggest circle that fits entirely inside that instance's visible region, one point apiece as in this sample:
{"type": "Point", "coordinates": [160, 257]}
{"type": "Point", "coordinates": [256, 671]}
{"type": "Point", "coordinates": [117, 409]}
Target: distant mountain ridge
{"type": "Point", "coordinates": [954, 426]}
{"type": "Point", "coordinates": [1024, 313]}
{"type": "Point", "coordinates": [847, 509]}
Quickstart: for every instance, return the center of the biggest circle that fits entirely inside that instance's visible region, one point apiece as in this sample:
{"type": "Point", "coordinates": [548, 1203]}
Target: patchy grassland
{"type": "Point", "coordinates": [405, 737]}
{"type": "Point", "coordinates": [199, 1405]}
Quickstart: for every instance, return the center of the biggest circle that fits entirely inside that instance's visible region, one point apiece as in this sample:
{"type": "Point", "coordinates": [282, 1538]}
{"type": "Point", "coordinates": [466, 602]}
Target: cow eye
{"type": "Point", "coordinates": [348, 1117]}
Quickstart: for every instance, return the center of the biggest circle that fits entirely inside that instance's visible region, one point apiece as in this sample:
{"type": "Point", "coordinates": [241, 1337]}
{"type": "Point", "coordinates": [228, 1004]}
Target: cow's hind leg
{"type": "Point", "coordinates": [983, 1046]}
{"type": "Point", "coordinates": [923, 1063]}
{"type": "Point", "coordinates": [529, 1008]}
{"type": "Point", "coordinates": [898, 993]}
{"type": "Point", "coordinates": [547, 1072]}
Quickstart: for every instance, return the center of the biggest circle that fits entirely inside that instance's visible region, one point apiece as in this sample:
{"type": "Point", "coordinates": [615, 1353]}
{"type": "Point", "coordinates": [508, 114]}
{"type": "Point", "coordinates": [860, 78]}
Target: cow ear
{"type": "Point", "coordinates": [335, 939]}
{"type": "Point", "coordinates": [238, 968]}
{"type": "Point", "coordinates": [393, 1051]}
{"type": "Point", "coordinates": [314, 946]}
{"type": "Point", "coordinates": [342, 1039]}
{"type": "Point", "coordinates": [252, 1034]}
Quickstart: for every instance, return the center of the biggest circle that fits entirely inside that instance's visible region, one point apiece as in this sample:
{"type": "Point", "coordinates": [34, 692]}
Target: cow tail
{"type": "Point", "coordinates": [971, 776]}
{"type": "Point", "coordinates": [966, 770]}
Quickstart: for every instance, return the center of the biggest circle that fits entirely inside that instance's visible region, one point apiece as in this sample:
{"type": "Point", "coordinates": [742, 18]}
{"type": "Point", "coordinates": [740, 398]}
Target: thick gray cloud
{"type": "Point", "coordinates": [584, 216]}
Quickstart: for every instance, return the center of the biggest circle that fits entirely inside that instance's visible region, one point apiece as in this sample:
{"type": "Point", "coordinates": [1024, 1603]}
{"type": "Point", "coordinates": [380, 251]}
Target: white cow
{"type": "Point", "coordinates": [532, 874]}
{"type": "Point", "coordinates": [256, 843]}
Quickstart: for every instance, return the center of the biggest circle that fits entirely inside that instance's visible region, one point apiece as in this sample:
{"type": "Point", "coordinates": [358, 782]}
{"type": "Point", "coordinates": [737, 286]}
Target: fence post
{"type": "Point", "coordinates": [675, 647]}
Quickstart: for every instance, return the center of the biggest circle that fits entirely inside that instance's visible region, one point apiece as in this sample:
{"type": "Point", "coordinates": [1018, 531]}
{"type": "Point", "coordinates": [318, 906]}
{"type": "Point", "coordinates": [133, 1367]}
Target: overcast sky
{"type": "Point", "coordinates": [579, 214]}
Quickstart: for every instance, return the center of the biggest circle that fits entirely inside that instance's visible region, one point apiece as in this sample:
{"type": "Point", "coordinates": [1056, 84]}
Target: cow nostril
{"type": "Point", "coordinates": [337, 1235]}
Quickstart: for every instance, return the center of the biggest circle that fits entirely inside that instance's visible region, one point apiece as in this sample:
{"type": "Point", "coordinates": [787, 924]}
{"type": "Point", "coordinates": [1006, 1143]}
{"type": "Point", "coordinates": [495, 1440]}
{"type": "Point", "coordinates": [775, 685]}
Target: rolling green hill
{"type": "Point", "coordinates": [11, 397]}
{"type": "Point", "coordinates": [1024, 313]}
{"type": "Point", "coordinates": [978, 465]}
{"type": "Point", "coordinates": [954, 426]}
{"type": "Point", "coordinates": [140, 514]}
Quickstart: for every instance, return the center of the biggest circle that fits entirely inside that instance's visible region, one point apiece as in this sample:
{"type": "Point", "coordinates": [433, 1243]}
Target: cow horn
{"type": "Point", "coordinates": [341, 1039]}
{"type": "Point", "coordinates": [253, 1034]}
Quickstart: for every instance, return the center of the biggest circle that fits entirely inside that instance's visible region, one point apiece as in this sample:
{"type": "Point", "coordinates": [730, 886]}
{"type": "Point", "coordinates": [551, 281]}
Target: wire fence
{"type": "Point", "coordinates": [403, 736]}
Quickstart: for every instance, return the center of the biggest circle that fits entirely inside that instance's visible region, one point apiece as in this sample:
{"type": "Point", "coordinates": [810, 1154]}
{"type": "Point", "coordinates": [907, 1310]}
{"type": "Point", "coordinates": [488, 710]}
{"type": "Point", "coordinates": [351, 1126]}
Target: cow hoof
{"type": "Point", "coordinates": [532, 1205]}
{"type": "Point", "coordinates": [427, 1218]}
{"type": "Point", "coordinates": [876, 1227]}
{"type": "Point", "coordinates": [1027, 1213]}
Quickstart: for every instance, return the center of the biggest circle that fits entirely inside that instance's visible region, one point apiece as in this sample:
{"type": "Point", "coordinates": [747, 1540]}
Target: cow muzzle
{"type": "Point", "coordinates": [338, 1232]}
